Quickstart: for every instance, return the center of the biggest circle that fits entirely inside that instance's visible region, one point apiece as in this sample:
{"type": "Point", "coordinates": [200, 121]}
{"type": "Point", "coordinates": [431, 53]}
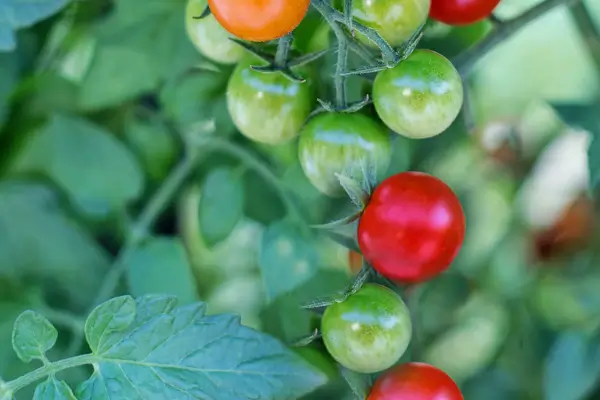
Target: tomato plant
{"type": "Point", "coordinates": [335, 143]}
{"type": "Point", "coordinates": [369, 331]}
{"type": "Point", "coordinates": [415, 381]}
{"type": "Point", "coordinates": [268, 108]}
{"type": "Point", "coordinates": [420, 97]}
{"type": "Point", "coordinates": [259, 20]}
{"type": "Point", "coordinates": [412, 228]}
{"type": "Point", "coordinates": [461, 12]}
{"type": "Point", "coordinates": [395, 20]}
{"type": "Point", "coordinates": [209, 37]}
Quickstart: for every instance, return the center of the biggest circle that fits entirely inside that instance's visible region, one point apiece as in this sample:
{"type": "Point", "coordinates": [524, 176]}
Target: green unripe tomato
{"type": "Point", "coordinates": [394, 20]}
{"type": "Point", "coordinates": [333, 143]}
{"type": "Point", "coordinates": [369, 331]}
{"type": "Point", "coordinates": [209, 37]}
{"type": "Point", "coordinates": [420, 97]}
{"type": "Point", "coordinates": [267, 107]}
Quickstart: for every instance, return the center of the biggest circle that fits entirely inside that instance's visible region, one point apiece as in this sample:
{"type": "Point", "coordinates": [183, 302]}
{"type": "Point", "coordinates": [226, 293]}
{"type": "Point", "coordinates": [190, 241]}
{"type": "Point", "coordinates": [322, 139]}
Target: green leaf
{"type": "Point", "coordinates": [94, 168]}
{"type": "Point", "coordinates": [287, 259]}
{"type": "Point", "coordinates": [53, 389]}
{"type": "Point", "coordinates": [179, 353]}
{"type": "Point", "coordinates": [358, 383]}
{"type": "Point", "coordinates": [161, 266]}
{"type": "Point", "coordinates": [261, 202]}
{"type": "Point", "coordinates": [40, 242]}
{"type": "Point", "coordinates": [9, 74]}
{"type": "Point", "coordinates": [572, 368]}
{"type": "Point", "coordinates": [107, 321]}
{"type": "Point", "coordinates": [221, 204]}
{"type": "Point", "coordinates": [15, 14]}
{"type": "Point", "coordinates": [33, 335]}
{"type": "Point", "coordinates": [587, 117]}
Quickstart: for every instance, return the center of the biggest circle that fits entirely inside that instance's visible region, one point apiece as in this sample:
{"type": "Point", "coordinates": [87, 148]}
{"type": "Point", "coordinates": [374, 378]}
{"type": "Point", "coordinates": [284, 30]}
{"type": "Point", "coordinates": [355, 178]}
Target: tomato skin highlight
{"type": "Point", "coordinates": [369, 331]}
{"type": "Point", "coordinates": [333, 143]}
{"type": "Point", "coordinates": [267, 107]}
{"type": "Point", "coordinates": [415, 381]}
{"type": "Point", "coordinates": [259, 20]}
{"type": "Point", "coordinates": [420, 97]}
{"type": "Point", "coordinates": [461, 12]}
{"type": "Point", "coordinates": [412, 228]}
{"type": "Point", "coordinates": [394, 20]}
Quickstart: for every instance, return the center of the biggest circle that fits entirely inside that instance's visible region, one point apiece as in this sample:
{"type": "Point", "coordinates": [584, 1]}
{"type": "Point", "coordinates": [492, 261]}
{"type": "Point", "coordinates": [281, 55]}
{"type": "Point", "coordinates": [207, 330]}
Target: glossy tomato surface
{"type": "Point", "coordinates": [209, 37]}
{"type": "Point", "coordinates": [461, 12]}
{"type": "Point", "coordinates": [420, 97]}
{"type": "Point", "coordinates": [369, 331]}
{"type": "Point", "coordinates": [412, 228]}
{"type": "Point", "coordinates": [394, 20]}
{"type": "Point", "coordinates": [259, 20]}
{"type": "Point", "coordinates": [333, 143]}
{"type": "Point", "coordinates": [415, 381]}
{"type": "Point", "coordinates": [267, 107]}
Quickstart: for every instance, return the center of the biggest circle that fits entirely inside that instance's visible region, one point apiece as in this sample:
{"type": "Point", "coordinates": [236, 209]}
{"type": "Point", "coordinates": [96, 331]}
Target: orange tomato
{"type": "Point", "coordinates": [259, 20]}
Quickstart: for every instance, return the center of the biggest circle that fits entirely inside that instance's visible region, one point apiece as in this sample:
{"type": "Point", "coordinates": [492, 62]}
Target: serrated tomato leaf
{"type": "Point", "coordinates": [15, 14]}
{"type": "Point", "coordinates": [358, 383]}
{"type": "Point", "coordinates": [145, 348]}
{"type": "Point", "coordinates": [33, 335]}
{"type": "Point", "coordinates": [53, 389]}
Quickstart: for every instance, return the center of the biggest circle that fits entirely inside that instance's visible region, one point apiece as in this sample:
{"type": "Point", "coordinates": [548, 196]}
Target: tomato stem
{"type": "Point", "coordinates": [466, 61]}
{"type": "Point", "coordinates": [588, 30]}
{"type": "Point", "coordinates": [341, 99]}
{"type": "Point", "coordinates": [283, 49]}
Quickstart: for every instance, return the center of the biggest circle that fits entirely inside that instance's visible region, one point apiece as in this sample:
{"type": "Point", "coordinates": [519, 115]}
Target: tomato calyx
{"type": "Point", "coordinates": [327, 106]}
{"type": "Point", "coordinates": [204, 14]}
{"type": "Point", "coordinates": [280, 63]}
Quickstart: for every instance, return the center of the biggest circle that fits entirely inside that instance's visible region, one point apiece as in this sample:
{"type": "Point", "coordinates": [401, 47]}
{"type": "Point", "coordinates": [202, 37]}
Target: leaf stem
{"type": "Point", "coordinates": [48, 369]}
{"type": "Point", "coordinates": [465, 61]}
{"type": "Point", "coordinates": [588, 30]}
{"type": "Point", "coordinates": [139, 233]}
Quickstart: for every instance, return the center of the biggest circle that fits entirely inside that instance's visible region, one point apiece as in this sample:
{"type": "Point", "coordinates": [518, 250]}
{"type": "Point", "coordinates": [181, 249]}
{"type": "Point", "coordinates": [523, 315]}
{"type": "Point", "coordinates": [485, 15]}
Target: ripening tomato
{"type": "Point", "coordinates": [420, 97]}
{"type": "Point", "coordinates": [394, 20]}
{"type": "Point", "coordinates": [461, 12]}
{"type": "Point", "coordinates": [415, 381]}
{"type": "Point", "coordinates": [412, 228]}
{"type": "Point", "coordinates": [209, 37]}
{"type": "Point", "coordinates": [259, 20]}
{"type": "Point", "coordinates": [333, 143]}
{"type": "Point", "coordinates": [267, 107]}
{"type": "Point", "coordinates": [369, 331]}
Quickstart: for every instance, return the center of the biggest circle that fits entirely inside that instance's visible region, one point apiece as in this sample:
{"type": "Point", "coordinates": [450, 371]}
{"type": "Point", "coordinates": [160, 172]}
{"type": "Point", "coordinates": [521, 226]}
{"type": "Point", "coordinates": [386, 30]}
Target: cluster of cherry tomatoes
{"type": "Point", "coordinates": [413, 225]}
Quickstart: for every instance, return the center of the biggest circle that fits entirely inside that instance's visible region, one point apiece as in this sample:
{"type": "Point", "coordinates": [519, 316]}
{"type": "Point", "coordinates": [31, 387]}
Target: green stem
{"type": "Point", "coordinates": [139, 233]}
{"type": "Point", "coordinates": [341, 99]}
{"type": "Point", "coordinates": [283, 49]}
{"type": "Point", "coordinates": [263, 170]}
{"type": "Point", "coordinates": [465, 61]}
{"type": "Point", "coordinates": [588, 30]}
{"type": "Point", "coordinates": [330, 14]}
{"type": "Point", "coordinates": [49, 369]}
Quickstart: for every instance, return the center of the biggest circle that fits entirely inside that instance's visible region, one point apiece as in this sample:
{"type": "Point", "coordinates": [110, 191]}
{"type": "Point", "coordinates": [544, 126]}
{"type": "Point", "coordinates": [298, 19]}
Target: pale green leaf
{"type": "Point", "coordinates": [15, 14]}
{"type": "Point", "coordinates": [287, 259]}
{"type": "Point", "coordinates": [107, 321]}
{"type": "Point", "coordinates": [40, 241]}
{"type": "Point", "coordinates": [572, 368]}
{"type": "Point", "coordinates": [33, 335]}
{"type": "Point", "coordinates": [53, 389]}
{"type": "Point", "coordinates": [359, 383]}
{"type": "Point", "coordinates": [179, 353]}
{"type": "Point", "coordinates": [160, 266]}
{"type": "Point", "coordinates": [89, 163]}
{"type": "Point", "coordinates": [221, 204]}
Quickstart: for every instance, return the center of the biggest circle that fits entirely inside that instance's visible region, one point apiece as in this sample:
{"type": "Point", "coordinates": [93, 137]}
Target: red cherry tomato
{"type": "Point", "coordinates": [461, 12]}
{"type": "Point", "coordinates": [415, 381]}
{"type": "Point", "coordinates": [259, 20]}
{"type": "Point", "coordinates": [412, 228]}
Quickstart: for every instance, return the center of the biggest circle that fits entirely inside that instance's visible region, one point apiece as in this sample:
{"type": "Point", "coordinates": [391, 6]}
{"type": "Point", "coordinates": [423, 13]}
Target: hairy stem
{"type": "Point", "coordinates": [465, 61]}
{"type": "Point", "coordinates": [48, 369]}
{"type": "Point", "coordinates": [588, 30]}
{"type": "Point", "coordinates": [283, 49]}
{"type": "Point", "coordinates": [341, 99]}
{"type": "Point", "coordinates": [140, 232]}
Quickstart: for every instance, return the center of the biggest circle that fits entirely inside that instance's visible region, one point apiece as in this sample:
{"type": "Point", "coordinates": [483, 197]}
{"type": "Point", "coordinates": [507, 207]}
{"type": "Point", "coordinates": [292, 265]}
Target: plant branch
{"type": "Point", "coordinates": [48, 369]}
{"type": "Point", "coordinates": [466, 61]}
{"type": "Point", "coordinates": [588, 30]}
{"type": "Point", "coordinates": [139, 233]}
